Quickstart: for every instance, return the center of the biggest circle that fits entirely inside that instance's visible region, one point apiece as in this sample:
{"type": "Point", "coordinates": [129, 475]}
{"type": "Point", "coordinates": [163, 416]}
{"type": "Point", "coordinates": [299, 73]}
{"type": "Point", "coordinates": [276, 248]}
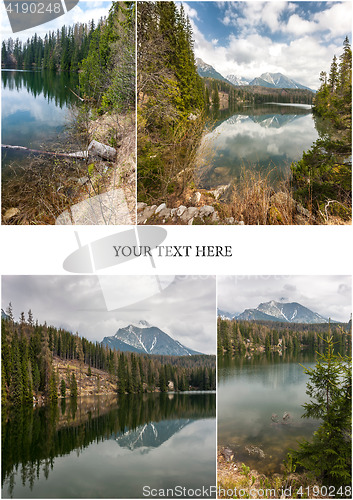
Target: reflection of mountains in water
{"type": "Point", "coordinates": [267, 121]}
{"type": "Point", "coordinates": [33, 438]}
{"type": "Point", "coordinates": [263, 115]}
{"type": "Point", "coordinates": [152, 434]}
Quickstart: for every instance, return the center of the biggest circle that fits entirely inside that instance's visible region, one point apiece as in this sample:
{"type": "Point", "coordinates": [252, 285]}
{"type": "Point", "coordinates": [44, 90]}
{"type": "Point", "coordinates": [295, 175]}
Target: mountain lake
{"type": "Point", "coordinates": [266, 138]}
{"type": "Point", "coordinates": [110, 447]}
{"type": "Point", "coordinates": [34, 113]}
{"type": "Point", "coordinates": [254, 396]}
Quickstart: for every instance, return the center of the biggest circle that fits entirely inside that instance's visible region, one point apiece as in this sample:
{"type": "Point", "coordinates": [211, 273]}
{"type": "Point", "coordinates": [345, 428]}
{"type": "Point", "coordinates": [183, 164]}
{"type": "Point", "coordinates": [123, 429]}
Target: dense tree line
{"type": "Point", "coordinates": [31, 439]}
{"type": "Point", "coordinates": [323, 177]}
{"type": "Point", "coordinates": [170, 96]}
{"type": "Point", "coordinates": [244, 337]}
{"type": "Point", "coordinates": [28, 351]}
{"type": "Point", "coordinates": [62, 50]}
{"type": "Point", "coordinates": [104, 54]}
{"type": "Point", "coordinates": [107, 73]}
{"type": "Point", "coordinates": [252, 95]}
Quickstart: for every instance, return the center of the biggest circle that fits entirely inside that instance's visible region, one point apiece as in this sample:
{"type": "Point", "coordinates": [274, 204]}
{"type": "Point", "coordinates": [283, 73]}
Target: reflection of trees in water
{"type": "Point", "coordinates": [53, 86]}
{"type": "Point", "coordinates": [32, 438]}
{"type": "Point", "coordinates": [228, 367]}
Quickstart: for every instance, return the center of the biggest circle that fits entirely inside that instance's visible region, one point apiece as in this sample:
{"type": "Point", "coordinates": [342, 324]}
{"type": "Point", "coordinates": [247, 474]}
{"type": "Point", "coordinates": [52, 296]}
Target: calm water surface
{"type": "Point", "coordinates": [34, 111]}
{"type": "Point", "coordinates": [263, 137]}
{"type": "Point", "coordinates": [110, 448]}
{"type": "Point", "coordinates": [250, 393]}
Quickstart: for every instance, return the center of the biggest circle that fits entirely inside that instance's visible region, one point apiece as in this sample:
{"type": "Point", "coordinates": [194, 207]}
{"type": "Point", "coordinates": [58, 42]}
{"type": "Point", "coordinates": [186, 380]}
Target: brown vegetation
{"type": "Point", "coordinates": [236, 480]}
{"type": "Point", "coordinates": [39, 191]}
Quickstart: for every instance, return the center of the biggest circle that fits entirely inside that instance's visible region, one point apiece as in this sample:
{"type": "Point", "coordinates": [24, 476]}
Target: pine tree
{"type": "Point", "coordinates": [63, 388]}
{"type": "Point", "coordinates": [73, 386]}
{"type": "Point", "coordinates": [328, 455]}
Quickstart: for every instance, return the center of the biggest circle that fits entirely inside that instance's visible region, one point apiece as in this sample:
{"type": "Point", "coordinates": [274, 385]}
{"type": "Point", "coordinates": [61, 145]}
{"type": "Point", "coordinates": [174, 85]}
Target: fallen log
{"type": "Point", "coordinates": [95, 147]}
{"type": "Point", "coordinates": [82, 155]}
{"type": "Point", "coordinates": [102, 150]}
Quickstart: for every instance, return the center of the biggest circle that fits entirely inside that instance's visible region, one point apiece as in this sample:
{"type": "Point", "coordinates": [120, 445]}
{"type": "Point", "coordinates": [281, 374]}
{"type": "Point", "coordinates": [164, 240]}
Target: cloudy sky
{"type": "Point", "coordinates": [330, 296]}
{"type": "Point", "coordinates": [83, 12]}
{"type": "Point", "coordinates": [298, 39]}
{"type": "Point", "coordinates": [185, 308]}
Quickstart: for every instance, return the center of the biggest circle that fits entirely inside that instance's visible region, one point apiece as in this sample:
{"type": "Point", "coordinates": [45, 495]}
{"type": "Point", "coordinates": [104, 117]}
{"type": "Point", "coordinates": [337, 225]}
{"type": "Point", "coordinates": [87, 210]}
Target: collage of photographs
{"type": "Point", "coordinates": [132, 120]}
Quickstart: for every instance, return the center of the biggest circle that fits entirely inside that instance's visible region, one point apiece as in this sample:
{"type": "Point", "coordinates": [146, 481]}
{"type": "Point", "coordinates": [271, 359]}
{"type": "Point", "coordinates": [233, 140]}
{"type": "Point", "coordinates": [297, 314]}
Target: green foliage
{"type": "Point", "coordinates": [108, 72]}
{"type": "Point", "coordinates": [169, 91]}
{"type": "Point", "coordinates": [63, 388]}
{"type": "Point", "coordinates": [236, 337]}
{"type": "Point", "coordinates": [27, 365]}
{"type": "Point", "coordinates": [62, 50]}
{"type": "Point", "coordinates": [328, 455]}
{"type": "Point", "coordinates": [73, 386]}
{"type": "Point", "coordinates": [323, 177]}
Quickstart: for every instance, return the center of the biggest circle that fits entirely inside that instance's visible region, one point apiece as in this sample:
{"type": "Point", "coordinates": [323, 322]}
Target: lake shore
{"type": "Point", "coordinates": [43, 188]}
{"type": "Point", "coordinates": [234, 476]}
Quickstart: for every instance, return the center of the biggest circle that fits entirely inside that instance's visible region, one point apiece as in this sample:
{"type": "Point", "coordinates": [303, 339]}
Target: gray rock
{"type": "Point", "coordinates": [180, 210]}
{"type": "Point", "coordinates": [215, 217]}
{"type": "Point", "coordinates": [165, 212]}
{"type": "Point", "coordinates": [220, 190]}
{"type": "Point", "coordinates": [303, 211]}
{"type": "Point", "coordinates": [146, 214]}
{"type": "Point", "coordinates": [173, 212]}
{"type": "Point", "coordinates": [229, 220]}
{"type": "Point", "coordinates": [196, 197]}
{"type": "Point", "coordinates": [140, 205]}
{"type": "Point", "coordinates": [228, 454]}
{"type": "Point", "coordinates": [206, 211]}
{"type": "Point", "coordinates": [161, 207]}
{"type": "Point", "coordinates": [189, 213]}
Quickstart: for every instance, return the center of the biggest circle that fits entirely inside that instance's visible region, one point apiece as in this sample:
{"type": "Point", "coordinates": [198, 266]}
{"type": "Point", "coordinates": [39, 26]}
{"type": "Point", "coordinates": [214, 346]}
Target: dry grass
{"type": "Point", "coordinates": [39, 191]}
{"type": "Point", "coordinates": [236, 480]}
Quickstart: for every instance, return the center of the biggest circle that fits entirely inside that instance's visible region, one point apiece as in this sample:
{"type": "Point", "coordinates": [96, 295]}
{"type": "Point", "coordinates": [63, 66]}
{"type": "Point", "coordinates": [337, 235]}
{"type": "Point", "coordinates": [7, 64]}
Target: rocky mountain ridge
{"type": "Point", "coordinates": [284, 312]}
{"type": "Point", "coordinates": [271, 80]}
{"type": "Point", "coordinates": [144, 338]}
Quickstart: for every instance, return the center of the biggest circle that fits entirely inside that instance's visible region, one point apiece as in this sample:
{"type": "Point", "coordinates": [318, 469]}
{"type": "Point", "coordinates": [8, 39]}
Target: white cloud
{"type": "Point", "coordinates": [83, 12]}
{"type": "Point", "coordinates": [330, 296]}
{"type": "Point", "coordinates": [302, 55]}
{"type": "Point", "coordinates": [189, 11]}
{"type": "Point", "coordinates": [185, 310]}
{"type": "Point", "coordinates": [337, 19]}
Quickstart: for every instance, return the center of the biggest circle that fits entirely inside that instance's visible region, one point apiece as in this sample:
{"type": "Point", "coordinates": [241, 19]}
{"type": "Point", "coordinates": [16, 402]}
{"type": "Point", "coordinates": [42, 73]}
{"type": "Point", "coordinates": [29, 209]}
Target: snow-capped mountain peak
{"type": "Point", "coordinates": [287, 312]}
{"type": "Point", "coordinates": [144, 338]}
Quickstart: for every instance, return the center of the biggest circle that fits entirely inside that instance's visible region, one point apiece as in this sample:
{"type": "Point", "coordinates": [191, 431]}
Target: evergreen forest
{"type": "Point", "coordinates": [323, 177]}
{"type": "Point", "coordinates": [250, 337]}
{"type": "Point", "coordinates": [170, 100]}
{"type": "Point", "coordinates": [95, 66]}
{"type": "Point", "coordinates": [31, 353]}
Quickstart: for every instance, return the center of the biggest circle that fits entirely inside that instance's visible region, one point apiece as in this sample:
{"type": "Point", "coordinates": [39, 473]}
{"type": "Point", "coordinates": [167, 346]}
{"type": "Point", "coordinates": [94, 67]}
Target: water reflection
{"type": "Point", "coordinates": [254, 397]}
{"type": "Point", "coordinates": [87, 432]}
{"type": "Point", "coordinates": [34, 112]}
{"type": "Point", "coordinates": [263, 137]}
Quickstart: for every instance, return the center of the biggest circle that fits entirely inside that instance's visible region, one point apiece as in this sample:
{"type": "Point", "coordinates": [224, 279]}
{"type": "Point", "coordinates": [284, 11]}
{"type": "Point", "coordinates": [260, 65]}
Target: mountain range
{"type": "Point", "coordinates": [272, 80]}
{"type": "Point", "coordinates": [144, 338]}
{"type": "Point", "coordinates": [283, 312]}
